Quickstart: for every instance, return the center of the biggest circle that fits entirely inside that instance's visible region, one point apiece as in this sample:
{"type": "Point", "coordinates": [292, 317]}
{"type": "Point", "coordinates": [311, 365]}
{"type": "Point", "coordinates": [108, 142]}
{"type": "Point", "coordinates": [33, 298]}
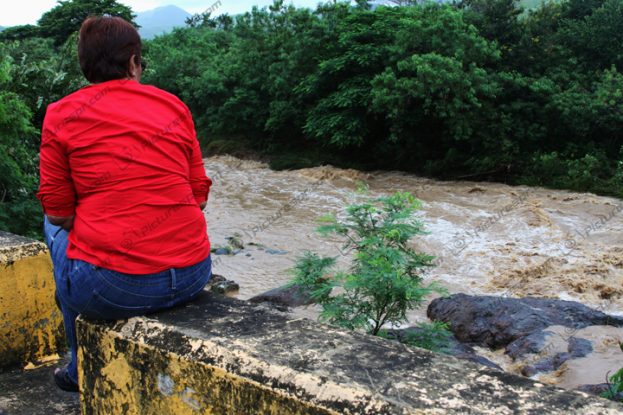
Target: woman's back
{"type": "Point", "coordinates": [123, 157]}
{"type": "Point", "coordinates": [123, 188]}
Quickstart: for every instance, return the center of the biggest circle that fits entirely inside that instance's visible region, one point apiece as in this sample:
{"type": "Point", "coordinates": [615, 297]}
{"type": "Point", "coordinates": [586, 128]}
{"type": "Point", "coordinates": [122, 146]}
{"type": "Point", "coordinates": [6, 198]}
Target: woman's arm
{"type": "Point", "coordinates": [56, 188]}
{"type": "Point", "coordinates": [64, 222]}
{"type": "Point", "coordinates": [199, 182]}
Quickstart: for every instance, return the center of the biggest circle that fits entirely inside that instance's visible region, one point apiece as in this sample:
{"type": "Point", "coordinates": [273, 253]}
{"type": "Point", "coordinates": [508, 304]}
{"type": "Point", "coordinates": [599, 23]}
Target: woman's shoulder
{"type": "Point", "coordinates": [86, 95]}
{"type": "Point", "coordinates": [59, 113]}
{"type": "Point", "coordinates": [163, 94]}
{"type": "Point", "coordinates": [80, 102]}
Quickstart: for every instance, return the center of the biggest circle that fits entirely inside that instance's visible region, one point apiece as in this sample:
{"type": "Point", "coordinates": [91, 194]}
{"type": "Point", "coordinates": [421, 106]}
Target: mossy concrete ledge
{"type": "Point", "coordinates": [220, 355]}
{"type": "Point", "coordinates": [31, 326]}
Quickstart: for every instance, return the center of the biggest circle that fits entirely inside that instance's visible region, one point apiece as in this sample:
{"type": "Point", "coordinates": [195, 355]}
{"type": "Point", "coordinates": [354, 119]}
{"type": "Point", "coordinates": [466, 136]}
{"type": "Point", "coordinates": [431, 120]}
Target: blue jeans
{"type": "Point", "coordinates": [99, 293]}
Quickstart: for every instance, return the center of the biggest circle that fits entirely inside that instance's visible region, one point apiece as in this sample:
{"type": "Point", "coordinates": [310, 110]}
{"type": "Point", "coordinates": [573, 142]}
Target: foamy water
{"type": "Point", "coordinates": [488, 238]}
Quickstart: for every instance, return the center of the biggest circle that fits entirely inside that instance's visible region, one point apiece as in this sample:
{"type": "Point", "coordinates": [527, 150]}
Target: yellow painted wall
{"type": "Point", "coordinates": [31, 326]}
{"type": "Point", "coordinates": [118, 376]}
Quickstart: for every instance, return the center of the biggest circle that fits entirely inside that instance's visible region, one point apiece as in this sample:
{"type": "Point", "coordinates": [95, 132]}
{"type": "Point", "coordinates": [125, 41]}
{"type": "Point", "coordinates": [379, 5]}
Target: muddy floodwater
{"type": "Point", "coordinates": [488, 238]}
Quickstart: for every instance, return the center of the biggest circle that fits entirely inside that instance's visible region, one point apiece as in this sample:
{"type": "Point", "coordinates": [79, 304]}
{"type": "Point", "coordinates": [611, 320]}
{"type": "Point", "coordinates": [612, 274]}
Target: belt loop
{"type": "Point", "coordinates": [173, 279]}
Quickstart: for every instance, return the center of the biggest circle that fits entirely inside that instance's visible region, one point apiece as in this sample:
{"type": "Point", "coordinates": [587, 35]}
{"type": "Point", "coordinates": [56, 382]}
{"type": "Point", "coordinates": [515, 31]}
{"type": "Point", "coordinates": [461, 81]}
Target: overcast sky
{"type": "Point", "coordinates": [28, 12]}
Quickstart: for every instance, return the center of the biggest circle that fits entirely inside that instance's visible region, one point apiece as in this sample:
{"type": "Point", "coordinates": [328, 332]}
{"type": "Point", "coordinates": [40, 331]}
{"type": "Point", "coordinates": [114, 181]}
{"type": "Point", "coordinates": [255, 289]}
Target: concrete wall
{"type": "Point", "coordinates": [31, 327]}
{"type": "Point", "coordinates": [224, 356]}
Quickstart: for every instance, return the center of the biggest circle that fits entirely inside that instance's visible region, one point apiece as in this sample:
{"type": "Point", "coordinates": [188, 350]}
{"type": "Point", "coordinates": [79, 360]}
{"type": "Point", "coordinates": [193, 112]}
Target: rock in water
{"type": "Point", "coordinates": [579, 347]}
{"type": "Point", "coordinates": [235, 241]}
{"type": "Point", "coordinates": [289, 296]}
{"type": "Point", "coordinates": [221, 285]}
{"type": "Point", "coordinates": [539, 342]}
{"type": "Point", "coordinates": [221, 251]}
{"type": "Point", "coordinates": [276, 251]}
{"type": "Point", "coordinates": [547, 350]}
{"type": "Point", "coordinates": [497, 321]}
{"type": "Point", "coordinates": [530, 344]}
{"type": "Point", "coordinates": [547, 364]}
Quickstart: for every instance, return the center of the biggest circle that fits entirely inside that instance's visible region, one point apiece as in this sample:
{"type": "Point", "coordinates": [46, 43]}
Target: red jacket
{"type": "Point", "coordinates": [124, 159]}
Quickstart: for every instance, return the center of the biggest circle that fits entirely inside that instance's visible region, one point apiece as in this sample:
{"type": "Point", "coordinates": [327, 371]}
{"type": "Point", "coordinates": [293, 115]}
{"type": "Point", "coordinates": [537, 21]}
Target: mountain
{"type": "Point", "coordinates": [535, 4]}
{"type": "Point", "coordinates": [530, 4]}
{"type": "Point", "coordinates": [160, 20]}
{"type": "Point", "coordinates": [2, 28]}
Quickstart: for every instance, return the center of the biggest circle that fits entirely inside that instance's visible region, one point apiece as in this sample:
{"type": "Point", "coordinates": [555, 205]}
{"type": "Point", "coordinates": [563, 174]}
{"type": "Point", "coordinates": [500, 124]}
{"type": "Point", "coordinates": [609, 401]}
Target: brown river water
{"type": "Point", "coordinates": [489, 238]}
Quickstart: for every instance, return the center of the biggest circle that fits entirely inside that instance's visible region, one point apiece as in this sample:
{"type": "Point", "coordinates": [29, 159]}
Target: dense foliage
{"type": "Point", "coordinates": [383, 282]}
{"type": "Point", "coordinates": [477, 89]}
{"type": "Point", "coordinates": [38, 65]}
{"type": "Point", "coordinates": [18, 178]}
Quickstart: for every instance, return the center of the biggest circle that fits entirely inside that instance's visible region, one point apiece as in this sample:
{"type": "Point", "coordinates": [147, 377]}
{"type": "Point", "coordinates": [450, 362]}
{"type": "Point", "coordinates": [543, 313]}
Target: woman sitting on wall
{"type": "Point", "coordinates": [123, 187]}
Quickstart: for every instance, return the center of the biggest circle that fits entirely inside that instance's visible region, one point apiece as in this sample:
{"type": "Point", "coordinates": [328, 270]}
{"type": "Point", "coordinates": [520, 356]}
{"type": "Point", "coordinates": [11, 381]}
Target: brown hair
{"type": "Point", "coordinates": [105, 46]}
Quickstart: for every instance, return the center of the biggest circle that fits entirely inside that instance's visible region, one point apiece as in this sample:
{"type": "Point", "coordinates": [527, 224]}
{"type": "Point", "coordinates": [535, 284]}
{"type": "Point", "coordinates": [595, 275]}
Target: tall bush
{"type": "Point", "coordinates": [384, 280]}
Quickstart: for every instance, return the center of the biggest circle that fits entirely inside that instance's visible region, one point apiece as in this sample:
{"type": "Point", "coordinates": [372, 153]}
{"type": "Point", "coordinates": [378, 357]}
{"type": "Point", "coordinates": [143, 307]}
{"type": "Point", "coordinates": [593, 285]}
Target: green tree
{"type": "Point", "coordinates": [597, 38]}
{"type": "Point", "coordinates": [66, 17]}
{"type": "Point", "coordinates": [579, 9]}
{"type": "Point", "coordinates": [20, 32]}
{"type": "Point", "coordinates": [42, 74]}
{"type": "Point", "coordinates": [476, 90]}
{"type": "Point", "coordinates": [497, 20]}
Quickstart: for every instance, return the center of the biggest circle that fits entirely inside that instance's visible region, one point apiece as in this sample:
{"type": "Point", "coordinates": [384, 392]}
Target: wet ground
{"type": "Point", "coordinates": [33, 392]}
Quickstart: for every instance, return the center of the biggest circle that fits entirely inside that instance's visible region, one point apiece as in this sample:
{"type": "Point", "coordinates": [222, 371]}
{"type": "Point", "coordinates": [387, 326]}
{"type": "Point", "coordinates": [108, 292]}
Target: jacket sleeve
{"type": "Point", "coordinates": [56, 190]}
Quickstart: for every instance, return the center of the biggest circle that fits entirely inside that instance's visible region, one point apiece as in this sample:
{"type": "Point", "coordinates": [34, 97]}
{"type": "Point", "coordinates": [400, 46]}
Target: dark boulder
{"type": "Point", "coordinates": [454, 347]}
{"type": "Point", "coordinates": [550, 358]}
{"type": "Point", "coordinates": [594, 389]}
{"type": "Point", "coordinates": [530, 344]}
{"type": "Point", "coordinates": [576, 348]}
{"type": "Point", "coordinates": [539, 342]}
{"type": "Point", "coordinates": [222, 251]}
{"type": "Point", "coordinates": [495, 322]}
{"type": "Point", "coordinates": [288, 296]}
{"type": "Point", "coordinates": [600, 389]}
{"type": "Point", "coordinates": [579, 347]}
{"type": "Point", "coordinates": [547, 364]}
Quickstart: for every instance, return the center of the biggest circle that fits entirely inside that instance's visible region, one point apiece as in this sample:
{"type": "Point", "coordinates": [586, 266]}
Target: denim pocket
{"type": "Point", "coordinates": [100, 307]}
{"type": "Point", "coordinates": [74, 285]}
{"type": "Point", "coordinates": [193, 287]}
{"type": "Point", "coordinates": [114, 295]}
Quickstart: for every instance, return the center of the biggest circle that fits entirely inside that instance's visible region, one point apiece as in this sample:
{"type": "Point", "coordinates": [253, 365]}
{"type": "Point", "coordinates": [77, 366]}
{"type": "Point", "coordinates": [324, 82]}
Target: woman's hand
{"type": "Point", "coordinates": [65, 222]}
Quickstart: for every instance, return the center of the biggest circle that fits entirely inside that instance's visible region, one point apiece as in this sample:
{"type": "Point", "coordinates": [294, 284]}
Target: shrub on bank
{"type": "Point", "coordinates": [384, 280]}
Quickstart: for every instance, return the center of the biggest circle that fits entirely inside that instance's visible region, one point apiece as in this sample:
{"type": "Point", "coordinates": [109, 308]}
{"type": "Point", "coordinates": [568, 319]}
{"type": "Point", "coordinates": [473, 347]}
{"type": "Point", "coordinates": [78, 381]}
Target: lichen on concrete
{"type": "Point", "coordinates": [224, 356]}
{"type": "Point", "coordinates": [15, 247]}
{"type": "Point", "coordinates": [31, 326]}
